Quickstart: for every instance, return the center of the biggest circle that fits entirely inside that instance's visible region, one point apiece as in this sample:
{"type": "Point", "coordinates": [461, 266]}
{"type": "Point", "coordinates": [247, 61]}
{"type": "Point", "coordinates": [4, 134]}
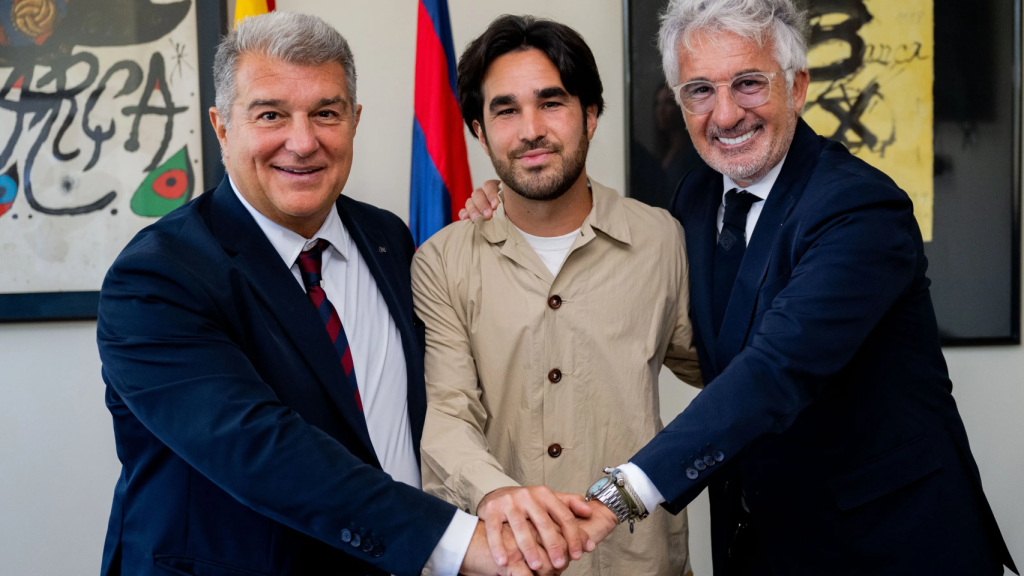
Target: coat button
{"type": "Point", "coordinates": [719, 456]}
{"type": "Point", "coordinates": [346, 535]}
{"type": "Point", "coordinates": [378, 551]}
{"type": "Point", "coordinates": [555, 450]}
{"type": "Point", "coordinates": [699, 464]}
{"type": "Point", "coordinates": [367, 545]}
{"type": "Point", "coordinates": [555, 302]}
{"type": "Point", "coordinates": [356, 540]}
{"type": "Point", "coordinates": [710, 460]}
{"type": "Point", "coordinates": [555, 376]}
{"type": "Point", "coordinates": [692, 473]}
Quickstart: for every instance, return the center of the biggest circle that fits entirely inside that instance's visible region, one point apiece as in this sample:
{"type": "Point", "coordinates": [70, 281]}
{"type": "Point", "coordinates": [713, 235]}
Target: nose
{"type": "Point", "coordinates": [727, 112]}
{"type": "Point", "coordinates": [533, 126]}
{"type": "Point", "coordinates": [302, 138]}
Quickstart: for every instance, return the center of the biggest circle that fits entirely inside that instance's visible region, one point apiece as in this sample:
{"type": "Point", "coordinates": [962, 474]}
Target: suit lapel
{"type": "Point", "coordinates": [702, 242]}
{"type": "Point", "coordinates": [273, 281]}
{"type": "Point", "coordinates": [800, 161]}
{"type": "Point", "coordinates": [380, 257]}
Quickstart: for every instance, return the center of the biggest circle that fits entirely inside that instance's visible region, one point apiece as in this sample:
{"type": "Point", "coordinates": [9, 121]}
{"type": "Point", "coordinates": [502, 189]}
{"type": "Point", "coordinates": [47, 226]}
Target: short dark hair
{"type": "Point", "coordinates": [561, 44]}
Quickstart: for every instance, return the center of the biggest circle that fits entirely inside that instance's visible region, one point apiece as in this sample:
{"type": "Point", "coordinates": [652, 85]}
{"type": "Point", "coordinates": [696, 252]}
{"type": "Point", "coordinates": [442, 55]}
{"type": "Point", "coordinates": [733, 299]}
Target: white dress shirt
{"type": "Point", "coordinates": [378, 360]}
{"type": "Point", "coordinates": [761, 188]}
{"type": "Point", "coordinates": [645, 489]}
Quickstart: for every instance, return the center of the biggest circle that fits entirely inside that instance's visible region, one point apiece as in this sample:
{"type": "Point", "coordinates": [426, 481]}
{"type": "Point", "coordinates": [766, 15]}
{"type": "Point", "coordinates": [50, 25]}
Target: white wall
{"type": "Point", "coordinates": [57, 461]}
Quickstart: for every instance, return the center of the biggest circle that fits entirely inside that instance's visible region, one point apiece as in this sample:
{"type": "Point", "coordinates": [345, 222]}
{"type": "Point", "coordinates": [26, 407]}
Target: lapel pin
{"type": "Point", "coordinates": [382, 250]}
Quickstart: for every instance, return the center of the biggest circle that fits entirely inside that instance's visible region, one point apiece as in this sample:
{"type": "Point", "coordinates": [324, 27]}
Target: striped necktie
{"type": "Point", "coordinates": [310, 263]}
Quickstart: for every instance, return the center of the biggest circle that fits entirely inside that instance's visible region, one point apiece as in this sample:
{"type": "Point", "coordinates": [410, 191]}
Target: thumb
{"type": "Point", "coordinates": [577, 504]}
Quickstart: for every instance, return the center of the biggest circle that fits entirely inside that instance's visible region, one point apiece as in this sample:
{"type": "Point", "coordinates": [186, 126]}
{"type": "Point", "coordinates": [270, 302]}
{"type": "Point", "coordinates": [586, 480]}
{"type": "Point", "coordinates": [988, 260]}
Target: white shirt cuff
{"type": "Point", "coordinates": [642, 485]}
{"type": "Point", "coordinates": [447, 557]}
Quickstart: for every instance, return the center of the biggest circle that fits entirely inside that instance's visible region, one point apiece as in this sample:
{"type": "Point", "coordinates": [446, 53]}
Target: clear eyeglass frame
{"type": "Point", "coordinates": [742, 99]}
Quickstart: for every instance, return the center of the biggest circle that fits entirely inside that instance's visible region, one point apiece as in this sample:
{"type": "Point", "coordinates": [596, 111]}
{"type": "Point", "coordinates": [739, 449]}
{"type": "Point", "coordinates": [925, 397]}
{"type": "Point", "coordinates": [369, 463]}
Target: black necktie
{"type": "Point", "coordinates": [732, 244]}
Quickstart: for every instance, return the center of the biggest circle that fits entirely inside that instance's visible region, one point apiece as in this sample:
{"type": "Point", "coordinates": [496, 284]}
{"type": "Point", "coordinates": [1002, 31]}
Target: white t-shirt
{"type": "Point", "coordinates": [552, 250]}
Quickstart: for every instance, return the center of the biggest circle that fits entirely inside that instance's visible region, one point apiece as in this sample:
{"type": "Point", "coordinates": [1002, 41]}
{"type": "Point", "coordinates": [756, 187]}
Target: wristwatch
{"type": "Point", "coordinates": [615, 492]}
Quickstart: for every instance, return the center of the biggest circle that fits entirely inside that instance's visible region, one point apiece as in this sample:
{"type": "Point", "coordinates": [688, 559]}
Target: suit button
{"type": "Point", "coordinates": [719, 456]}
{"type": "Point", "coordinates": [346, 535]}
{"type": "Point", "coordinates": [692, 473]}
{"type": "Point", "coordinates": [699, 464]}
{"type": "Point", "coordinates": [555, 376]}
{"type": "Point", "coordinates": [555, 302]}
{"type": "Point", "coordinates": [555, 450]}
{"type": "Point", "coordinates": [710, 460]}
{"type": "Point", "coordinates": [356, 540]}
{"type": "Point", "coordinates": [367, 545]}
{"type": "Point", "coordinates": [378, 551]}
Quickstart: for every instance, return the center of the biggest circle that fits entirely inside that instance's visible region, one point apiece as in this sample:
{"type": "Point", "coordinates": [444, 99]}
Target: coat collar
{"type": "Point", "coordinates": [607, 215]}
{"type": "Point", "coordinates": [272, 280]}
{"type": "Point", "coordinates": [800, 162]}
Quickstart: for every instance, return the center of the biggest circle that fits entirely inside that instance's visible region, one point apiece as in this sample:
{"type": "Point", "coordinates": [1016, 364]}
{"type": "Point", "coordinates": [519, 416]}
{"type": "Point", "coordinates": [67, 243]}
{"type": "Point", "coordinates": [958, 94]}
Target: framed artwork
{"type": "Point", "coordinates": [103, 129]}
{"type": "Point", "coordinates": [929, 92]}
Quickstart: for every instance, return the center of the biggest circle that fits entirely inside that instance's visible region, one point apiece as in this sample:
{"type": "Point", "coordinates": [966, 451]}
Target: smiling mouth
{"type": "Point", "coordinates": [298, 171]}
{"type": "Point", "coordinates": [739, 140]}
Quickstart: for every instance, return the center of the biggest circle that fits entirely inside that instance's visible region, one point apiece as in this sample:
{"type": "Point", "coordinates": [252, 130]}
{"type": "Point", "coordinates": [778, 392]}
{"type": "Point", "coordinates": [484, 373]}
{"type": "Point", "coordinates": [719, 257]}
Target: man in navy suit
{"type": "Point", "coordinates": [263, 364]}
{"type": "Point", "coordinates": [826, 432]}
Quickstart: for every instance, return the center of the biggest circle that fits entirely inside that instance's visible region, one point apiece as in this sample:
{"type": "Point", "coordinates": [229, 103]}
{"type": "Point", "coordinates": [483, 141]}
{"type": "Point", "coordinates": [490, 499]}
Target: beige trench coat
{"type": "Point", "coordinates": [539, 379]}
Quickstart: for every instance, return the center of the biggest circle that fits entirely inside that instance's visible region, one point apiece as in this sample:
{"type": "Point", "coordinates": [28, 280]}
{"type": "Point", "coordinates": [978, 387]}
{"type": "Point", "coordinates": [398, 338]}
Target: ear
{"type": "Point", "coordinates": [800, 82]}
{"type": "Point", "coordinates": [219, 127]}
{"type": "Point", "coordinates": [591, 113]}
{"type": "Point", "coordinates": [356, 117]}
{"type": "Point", "coordinates": [481, 136]}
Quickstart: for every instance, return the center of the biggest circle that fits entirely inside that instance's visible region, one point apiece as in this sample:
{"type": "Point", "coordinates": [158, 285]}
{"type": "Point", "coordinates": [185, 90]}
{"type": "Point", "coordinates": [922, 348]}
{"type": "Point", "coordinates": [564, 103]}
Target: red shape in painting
{"type": "Point", "coordinates": [171, 184]}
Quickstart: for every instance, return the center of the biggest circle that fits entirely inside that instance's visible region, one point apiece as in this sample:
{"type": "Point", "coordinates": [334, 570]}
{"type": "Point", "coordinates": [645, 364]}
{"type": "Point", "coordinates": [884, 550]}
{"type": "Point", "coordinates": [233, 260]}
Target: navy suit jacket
{"type": "Point", "coordinates": [827, 400]}
{"type": "Point", "coordinates": [242, 452]}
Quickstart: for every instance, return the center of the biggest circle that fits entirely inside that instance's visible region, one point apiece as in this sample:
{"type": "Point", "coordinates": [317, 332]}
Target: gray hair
{"type": "Point", "coordinates": [294, 38]}
{"type": "Point", "coordinates": [761, 20]}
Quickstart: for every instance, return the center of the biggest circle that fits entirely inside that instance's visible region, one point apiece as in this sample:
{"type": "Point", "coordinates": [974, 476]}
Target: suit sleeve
{"type": "Point", "coordinates": [166, 354]}
{"type": "Point", "coordinates": [457, 464]}
{"type": "Point", "coordinates": [859, 258]}
{"type": "Point", "coordinates": [681, 355]}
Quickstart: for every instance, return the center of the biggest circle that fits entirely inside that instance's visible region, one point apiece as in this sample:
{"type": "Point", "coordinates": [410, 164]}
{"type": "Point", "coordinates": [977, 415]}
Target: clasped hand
{"type": "Point", "coordinates": [535, 530]}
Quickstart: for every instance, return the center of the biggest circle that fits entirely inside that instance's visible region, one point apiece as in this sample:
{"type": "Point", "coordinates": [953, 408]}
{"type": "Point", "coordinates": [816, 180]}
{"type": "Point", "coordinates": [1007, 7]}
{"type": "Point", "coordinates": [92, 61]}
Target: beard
{"type": "Point", "coordinates": [532, 183]}
{"type": "Point", "coordinates": [752, 165]}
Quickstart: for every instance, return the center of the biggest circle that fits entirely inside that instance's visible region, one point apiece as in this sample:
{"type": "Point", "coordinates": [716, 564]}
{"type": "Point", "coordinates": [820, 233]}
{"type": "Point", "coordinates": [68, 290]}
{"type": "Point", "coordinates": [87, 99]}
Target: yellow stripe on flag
{"type": "Point", "coordinates": [244, 8]}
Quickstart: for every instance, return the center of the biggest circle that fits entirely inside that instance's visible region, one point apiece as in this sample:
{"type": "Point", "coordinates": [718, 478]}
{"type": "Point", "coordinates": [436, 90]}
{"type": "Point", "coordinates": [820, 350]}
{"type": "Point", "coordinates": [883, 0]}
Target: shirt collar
{"type": "Point", "coordinates": [762, 187]}
{"type": "Point", "coordinates": [288, 244]}
{"type": "Point", "coordinates": [607, 215]}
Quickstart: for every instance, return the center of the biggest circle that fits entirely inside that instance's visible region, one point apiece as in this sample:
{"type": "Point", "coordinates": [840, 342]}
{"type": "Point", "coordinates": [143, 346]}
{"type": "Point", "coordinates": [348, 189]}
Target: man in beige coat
{"type": "Point", "coordinates": [546, 326]}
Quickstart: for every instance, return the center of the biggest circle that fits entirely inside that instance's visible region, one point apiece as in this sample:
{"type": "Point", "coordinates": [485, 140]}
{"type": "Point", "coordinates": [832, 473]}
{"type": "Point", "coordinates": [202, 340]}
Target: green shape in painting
{"type": "Point", "coordinates": [166, 188]}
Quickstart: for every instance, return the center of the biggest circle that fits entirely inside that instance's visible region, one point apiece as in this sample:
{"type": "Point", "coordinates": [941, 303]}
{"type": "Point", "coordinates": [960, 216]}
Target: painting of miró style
{"type": "Point", "coordinates": [99, 133]}
{"type": "Point", "coordinates": [872, 71]}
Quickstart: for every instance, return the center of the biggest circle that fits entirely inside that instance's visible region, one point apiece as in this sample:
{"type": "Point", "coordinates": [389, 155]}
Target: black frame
{"type": "Point", "coordinates": [211, 21]}
{"type": "Point", "coordinates": [1014, 335]}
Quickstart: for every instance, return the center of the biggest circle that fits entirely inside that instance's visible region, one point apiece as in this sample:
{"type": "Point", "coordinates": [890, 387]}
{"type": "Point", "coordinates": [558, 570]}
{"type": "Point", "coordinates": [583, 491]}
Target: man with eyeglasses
{"type": "Point", "coordinates": [826, 433]}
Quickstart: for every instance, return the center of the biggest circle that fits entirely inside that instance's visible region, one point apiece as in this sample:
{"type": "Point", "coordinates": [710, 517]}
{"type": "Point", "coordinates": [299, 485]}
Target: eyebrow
{"type": "Point", "coordinates": [552, 92]}
{"type": "Point", "coordinates": [740, 73]}
{"type": "Point", "coordinates": [499, 101]}
{"type": "Point", "coordinates": [277, 103]}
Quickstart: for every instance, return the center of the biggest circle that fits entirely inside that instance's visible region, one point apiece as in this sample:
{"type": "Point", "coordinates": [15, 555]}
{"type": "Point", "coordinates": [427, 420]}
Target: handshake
{"type": "Point", "coordinates": [533, 530]}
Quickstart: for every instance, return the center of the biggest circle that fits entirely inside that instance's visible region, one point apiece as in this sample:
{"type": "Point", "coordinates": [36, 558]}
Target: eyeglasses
{"type": "Point", "coordinates": [747, 90]}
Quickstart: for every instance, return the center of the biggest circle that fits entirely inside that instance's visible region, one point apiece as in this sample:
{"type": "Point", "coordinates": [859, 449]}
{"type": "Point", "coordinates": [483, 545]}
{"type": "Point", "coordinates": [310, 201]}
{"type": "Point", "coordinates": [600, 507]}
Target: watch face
{"type": "Point", "coordinates": [598, 486]}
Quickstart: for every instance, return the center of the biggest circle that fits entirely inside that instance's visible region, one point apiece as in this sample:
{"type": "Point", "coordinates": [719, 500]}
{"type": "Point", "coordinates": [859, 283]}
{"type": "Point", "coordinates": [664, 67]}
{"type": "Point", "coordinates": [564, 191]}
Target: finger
{"type": "Point", "coordinates": [576, 503]}
{"type": "Point", "coordinates": [566, 520]}
{"type": "Point", "coordinates": [550, 535]}
{"type": "Point", "coordinates": [463, 214]}
{"type": "Point", "coordinates": [493, 524]}
{"type": "Point", "coordinates": [523, 532]}
{"type": "Point", "coordinates": [588, 540]}
{"type": "Point", "coordinates": [480, 202]}
{"type": "Point", "coordinates": [491, 189]}
{"type": "Point", "coordinates": [547, 567]}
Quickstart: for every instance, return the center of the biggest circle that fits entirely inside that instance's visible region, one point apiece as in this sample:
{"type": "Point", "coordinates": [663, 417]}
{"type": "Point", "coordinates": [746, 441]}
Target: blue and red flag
{"type": "Point", "coordinates": [440, 169]}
